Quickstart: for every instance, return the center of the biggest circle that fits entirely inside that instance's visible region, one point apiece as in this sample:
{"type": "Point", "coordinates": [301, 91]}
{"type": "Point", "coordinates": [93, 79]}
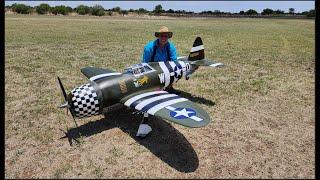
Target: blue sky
{"type": "Point", "coordinates": [196, 6]}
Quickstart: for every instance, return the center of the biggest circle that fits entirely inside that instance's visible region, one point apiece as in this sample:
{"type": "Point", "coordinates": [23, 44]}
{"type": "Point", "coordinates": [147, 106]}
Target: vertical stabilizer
{"type": "Point", "coordinates": [197, 50]}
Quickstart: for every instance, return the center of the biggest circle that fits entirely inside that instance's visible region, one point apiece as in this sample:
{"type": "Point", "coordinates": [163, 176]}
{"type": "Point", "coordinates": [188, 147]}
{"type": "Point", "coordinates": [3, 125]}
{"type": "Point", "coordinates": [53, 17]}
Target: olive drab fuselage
{"type": "Point", "coordinates": [110, 90]}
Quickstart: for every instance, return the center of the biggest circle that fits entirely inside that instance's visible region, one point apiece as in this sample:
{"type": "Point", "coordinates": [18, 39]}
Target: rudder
{"type": "Point", "coordinates": [197, 50]}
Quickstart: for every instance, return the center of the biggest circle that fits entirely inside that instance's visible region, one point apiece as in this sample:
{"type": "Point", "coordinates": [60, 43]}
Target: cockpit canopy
{"type": "Point", "coordinates": [139, 69]}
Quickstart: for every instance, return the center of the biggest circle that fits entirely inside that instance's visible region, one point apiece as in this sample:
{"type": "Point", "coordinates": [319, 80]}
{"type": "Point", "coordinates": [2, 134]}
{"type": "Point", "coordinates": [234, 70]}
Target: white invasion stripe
{"type": "Point", "coordinates": [196, 118]}
{"type": "Point", "coordinates": [184, 70]}
{"type": "Point", "coordinates": [151, 100]}
{"type": "Point", "coordinates": [197, 48]}
{"type": "Point", "coordinates": [192, 117]}
{"type": "Point", "coordinates": [216, 64]}
{"type": "Point", "coordinates": [166, 73]}
{"type": "Point", "coordinates": [134, 98]}
{"type": "Point", "coordinates": [170, 108]}
{"type": "Point", "coordinates": [173, 65]}
{"type": "Point", "coordinates": [156, 108]}
{"type": "Point", "coordinates": [103, 75]}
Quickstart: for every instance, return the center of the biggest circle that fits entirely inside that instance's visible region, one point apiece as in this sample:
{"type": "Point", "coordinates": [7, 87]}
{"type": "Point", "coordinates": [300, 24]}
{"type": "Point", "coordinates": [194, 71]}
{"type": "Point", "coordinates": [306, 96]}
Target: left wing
{"type": "Point", "coordinates": [94, 73]}
{"type": "Point", "coordinates": [168, 106]}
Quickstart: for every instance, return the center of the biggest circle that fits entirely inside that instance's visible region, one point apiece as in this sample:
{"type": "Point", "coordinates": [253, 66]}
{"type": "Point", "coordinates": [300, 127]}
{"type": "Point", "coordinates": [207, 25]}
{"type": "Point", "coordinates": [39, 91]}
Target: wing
{"type": "Point", "coordinates": [168, 106]}
{"type": "Point", "coordinates": [94, 73]}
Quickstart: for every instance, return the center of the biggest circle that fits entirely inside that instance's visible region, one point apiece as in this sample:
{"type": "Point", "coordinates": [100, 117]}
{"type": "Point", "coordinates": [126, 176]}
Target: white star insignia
{"type": "Point", "coordinates": [183, 112]}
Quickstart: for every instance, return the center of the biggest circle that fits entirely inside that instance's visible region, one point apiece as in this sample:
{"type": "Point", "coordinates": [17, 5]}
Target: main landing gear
{"type": "Point", "coordinates": [144, 128]}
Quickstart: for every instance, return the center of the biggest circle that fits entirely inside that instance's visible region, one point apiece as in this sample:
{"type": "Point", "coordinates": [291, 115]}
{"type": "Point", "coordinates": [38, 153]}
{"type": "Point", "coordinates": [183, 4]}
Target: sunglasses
{"type": "Point", "coordinates": [165, 36]}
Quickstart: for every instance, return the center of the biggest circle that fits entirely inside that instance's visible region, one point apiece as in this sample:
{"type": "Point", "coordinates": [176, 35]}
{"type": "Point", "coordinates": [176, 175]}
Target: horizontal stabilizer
{"type": "Point", "coordinates": [206, 62]}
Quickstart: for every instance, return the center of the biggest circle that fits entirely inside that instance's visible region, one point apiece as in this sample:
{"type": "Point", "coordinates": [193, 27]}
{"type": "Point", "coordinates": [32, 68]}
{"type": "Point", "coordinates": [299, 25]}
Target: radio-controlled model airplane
{"type": "Point", "coordinates": [141, 87]}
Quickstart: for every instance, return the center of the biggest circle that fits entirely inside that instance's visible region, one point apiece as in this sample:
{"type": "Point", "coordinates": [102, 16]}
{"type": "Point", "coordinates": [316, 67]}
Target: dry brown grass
{"type": "Point", "coordinates": [261, 103]}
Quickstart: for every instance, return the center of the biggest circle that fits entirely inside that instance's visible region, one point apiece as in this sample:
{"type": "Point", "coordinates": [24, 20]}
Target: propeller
{"type": "Point", "coordinates": [66, 103]}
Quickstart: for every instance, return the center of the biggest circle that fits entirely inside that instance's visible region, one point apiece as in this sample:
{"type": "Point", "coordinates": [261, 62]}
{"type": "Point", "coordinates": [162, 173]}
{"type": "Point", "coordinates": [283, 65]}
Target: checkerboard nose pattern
{"type": "Point", "coordinates": [85, 101]}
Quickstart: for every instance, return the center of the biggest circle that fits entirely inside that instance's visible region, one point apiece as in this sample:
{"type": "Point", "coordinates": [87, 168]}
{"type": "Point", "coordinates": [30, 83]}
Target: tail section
{"type": "Point", "coordinates": [196, 56]}
{"type": "Point", "coordinates": [197, 50]}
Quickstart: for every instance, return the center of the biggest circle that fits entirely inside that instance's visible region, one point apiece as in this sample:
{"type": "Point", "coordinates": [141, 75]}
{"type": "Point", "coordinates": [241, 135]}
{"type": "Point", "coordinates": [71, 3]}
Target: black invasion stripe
{"type": "Point", "coordinates": [198, 55]}
{"type": "Point", "coordinates": [171, 79]}
{"type": "Point", "coordinates": [178, 64]}
{"type": "Point", "coordinates": [197, 42]}
{"type": "Point", "coordinates": [168, 66]}
{"type": "Point", "coordinates": [147, 107]}
{"type": "Point", "coordinates": [135, 103]}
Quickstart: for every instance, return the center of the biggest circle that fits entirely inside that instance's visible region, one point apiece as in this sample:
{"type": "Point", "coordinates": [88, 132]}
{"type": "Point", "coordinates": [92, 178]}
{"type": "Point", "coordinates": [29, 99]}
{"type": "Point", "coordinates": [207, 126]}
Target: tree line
{"type": "Point", "coordinates": [98, 10]}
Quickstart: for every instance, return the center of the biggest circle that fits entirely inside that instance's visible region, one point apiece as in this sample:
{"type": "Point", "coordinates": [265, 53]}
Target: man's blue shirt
{"type": "Point", "coordinates": [161, 54]}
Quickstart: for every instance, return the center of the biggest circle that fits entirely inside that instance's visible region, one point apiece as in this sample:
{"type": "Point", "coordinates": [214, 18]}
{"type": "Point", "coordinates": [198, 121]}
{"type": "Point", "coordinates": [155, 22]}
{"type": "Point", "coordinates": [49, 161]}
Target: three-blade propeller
{"type": "Point", "coordinates": [66, 103]}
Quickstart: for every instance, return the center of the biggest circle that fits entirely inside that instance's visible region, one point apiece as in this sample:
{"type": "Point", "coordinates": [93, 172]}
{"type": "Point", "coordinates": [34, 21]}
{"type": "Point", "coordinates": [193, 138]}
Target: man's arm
{"type": "Point", "coordinates": [146, 54]}
{"type": "Point", "coordinates": [173, 52]}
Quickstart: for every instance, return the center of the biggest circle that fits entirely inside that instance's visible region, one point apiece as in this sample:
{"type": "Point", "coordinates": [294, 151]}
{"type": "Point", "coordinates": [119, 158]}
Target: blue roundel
{"type": "Point", "coordinates": [182, 113]}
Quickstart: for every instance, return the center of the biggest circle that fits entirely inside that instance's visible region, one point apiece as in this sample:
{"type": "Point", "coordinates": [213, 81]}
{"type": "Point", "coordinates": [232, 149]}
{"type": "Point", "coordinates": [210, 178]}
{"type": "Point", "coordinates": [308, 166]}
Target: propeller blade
{"type": "Point", "coordinates": [66, 104]}
{"type": "Point", "coordinates": [74, 119]}
{"type": "Point", "coordinates": [62, 89]}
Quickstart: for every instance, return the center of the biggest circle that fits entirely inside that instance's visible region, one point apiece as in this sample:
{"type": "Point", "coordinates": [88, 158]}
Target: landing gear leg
{"type": "Point", "coordinates": [144, 128]}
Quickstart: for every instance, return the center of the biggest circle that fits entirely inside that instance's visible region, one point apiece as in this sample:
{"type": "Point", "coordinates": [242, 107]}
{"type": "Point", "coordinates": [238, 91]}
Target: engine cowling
{"type": "Point", "coordinates": [84, 101]}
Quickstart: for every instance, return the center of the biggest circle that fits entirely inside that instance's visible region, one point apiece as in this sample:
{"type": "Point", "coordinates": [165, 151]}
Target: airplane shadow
{"type": "Point", "coordinates": [195, 99]}
{"type": "Point", "coordinates": [164, 141]}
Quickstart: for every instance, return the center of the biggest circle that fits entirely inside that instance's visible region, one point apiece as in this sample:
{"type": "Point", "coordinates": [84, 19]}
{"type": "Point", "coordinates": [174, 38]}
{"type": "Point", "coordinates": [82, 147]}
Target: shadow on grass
{"type": "Point", "coordinates": [164, 141]}
{"type": "Point", "coordinates": [195, 99]}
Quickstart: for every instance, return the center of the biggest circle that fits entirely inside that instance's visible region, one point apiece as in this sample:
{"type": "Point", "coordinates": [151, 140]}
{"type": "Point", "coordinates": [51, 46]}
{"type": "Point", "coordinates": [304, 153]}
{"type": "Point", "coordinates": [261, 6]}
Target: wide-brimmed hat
{"type": "Point", "coordinates": [163, 30]}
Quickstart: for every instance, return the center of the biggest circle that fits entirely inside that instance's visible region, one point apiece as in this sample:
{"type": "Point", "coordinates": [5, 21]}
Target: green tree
{"type": "Point", "coordinates": [279, 11]}
{"type": "Point", "coordinates": [21, 9]}
{"type": "Point", "coordinates": [241, 12]}
{"type": "Point", "coordinates": [124, 12]}
{"type": "Point", "coordinates": [43, 8]}
{"type": "Point", "coordinates": [69, 9]}
{"type": "Point", "coordinates": [170, 11]}
{"type": "Point", "coordinates": [158, 9]}
{"type": "Point", "coordinates": [98, 10]}
{"type": "Point", "coordinates": [116, 9]}
{"type": "Point", "coordinates": [251, 12]}
{"type": "Point", "coordinates": [82, 9]}
{"type": "Point", "coordinates": [59, 10]}
{"type": "Point", "coordinates": [312, 13]}
{"type": "Point", "coordinates": [291, 10]}
{"type": "Point", "coordinates": [142, 11]}
{"type": "Point", "coordinates": [267, 11]}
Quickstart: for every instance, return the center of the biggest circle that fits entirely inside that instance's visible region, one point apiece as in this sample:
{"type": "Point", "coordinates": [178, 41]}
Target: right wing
{"type": "Point", "coordinates": [168, 106]}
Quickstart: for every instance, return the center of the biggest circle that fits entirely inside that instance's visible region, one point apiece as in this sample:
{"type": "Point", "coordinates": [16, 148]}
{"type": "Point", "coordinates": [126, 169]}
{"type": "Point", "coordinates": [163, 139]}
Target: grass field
{"type": "Point", "coordinates": [261, 102]}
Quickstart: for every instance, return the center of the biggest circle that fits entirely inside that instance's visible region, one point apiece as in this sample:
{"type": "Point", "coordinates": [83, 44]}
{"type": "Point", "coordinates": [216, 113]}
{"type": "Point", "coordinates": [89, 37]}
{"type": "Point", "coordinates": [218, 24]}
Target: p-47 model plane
{"type": "Point", "coordinates": [141, 87]}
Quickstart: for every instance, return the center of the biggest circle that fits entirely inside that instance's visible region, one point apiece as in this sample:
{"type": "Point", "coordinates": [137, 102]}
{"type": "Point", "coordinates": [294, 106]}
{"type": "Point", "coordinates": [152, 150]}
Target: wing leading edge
{"type": "Point", "coordinates": [94, 73]}
{"type": "Point", "coordinates": [170, 107]}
